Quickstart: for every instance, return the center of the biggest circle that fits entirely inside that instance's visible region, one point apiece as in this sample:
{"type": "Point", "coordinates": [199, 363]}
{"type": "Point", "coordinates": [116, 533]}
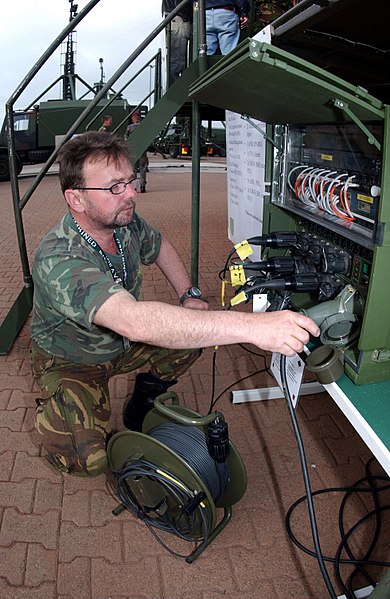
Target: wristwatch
{"type": "Point", "coordinates": [191, 292]}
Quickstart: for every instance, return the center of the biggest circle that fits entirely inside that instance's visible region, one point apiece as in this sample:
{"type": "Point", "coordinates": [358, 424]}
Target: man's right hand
{"type": "Point", "coordinates": [284, 332]}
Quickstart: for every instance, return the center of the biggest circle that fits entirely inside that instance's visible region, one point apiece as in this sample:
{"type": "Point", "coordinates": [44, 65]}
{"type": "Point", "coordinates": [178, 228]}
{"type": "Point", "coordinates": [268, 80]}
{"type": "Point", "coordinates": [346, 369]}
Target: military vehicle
{"type": "Point", "coordinates": [39, 130]}
{"type": "Point", "coordinates": [176, 140]}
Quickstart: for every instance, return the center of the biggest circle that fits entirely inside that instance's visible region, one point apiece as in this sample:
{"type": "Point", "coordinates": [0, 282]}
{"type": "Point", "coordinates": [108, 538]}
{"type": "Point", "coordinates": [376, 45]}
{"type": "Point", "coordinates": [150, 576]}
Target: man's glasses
{"type": "Point", "coordinates": [115, 189]}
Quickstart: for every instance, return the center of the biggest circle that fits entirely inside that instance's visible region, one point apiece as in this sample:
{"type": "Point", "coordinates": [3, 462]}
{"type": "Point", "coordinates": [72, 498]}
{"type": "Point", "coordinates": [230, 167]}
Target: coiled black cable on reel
{"type": "Point", "coordinates": [176, 473]}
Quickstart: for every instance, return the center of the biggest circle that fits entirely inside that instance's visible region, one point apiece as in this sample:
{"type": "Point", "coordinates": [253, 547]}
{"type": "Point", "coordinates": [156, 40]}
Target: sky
{"type": "Point", "coordinates": [111, 31]}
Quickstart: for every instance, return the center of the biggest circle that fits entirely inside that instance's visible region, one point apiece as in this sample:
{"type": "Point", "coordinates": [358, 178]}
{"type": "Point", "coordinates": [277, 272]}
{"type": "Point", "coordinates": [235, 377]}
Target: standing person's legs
{"type": "Point", "coordinates": [180, 34]}
{"type": "Point", "coordinates": [73, 413]}
{"type": "Point", "coordinates": [143, 166]}
{"type": "Point", "coordinates": [228, 29]}
{"type": "Point", "coordinates": [211, 33]}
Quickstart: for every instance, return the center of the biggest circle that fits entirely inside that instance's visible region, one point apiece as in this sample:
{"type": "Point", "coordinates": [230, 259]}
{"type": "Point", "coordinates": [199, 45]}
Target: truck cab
{"type": "Point", "coordinates": [39, 130]}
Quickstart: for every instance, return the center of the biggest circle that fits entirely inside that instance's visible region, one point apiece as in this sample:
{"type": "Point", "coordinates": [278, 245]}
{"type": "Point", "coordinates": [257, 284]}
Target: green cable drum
{"type": "Point", "coordinates": [166, 476]}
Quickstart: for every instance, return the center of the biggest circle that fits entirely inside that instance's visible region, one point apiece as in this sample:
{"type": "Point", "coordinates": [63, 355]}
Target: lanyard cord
{"type": "Point", "coordinates": [121, 280]}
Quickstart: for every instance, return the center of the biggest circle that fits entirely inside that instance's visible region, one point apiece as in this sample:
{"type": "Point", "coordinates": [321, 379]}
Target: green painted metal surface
{"type": "Point", "coordinates": [276, 87]}
{"type": "Point", "coordinates": [57, 116]}
{"type": "Point", "coordinates": [15, 319]}
{"type": "Point", "coordinates": [162, 112]}
{"type": "Point", "coordinates": [373, 403]}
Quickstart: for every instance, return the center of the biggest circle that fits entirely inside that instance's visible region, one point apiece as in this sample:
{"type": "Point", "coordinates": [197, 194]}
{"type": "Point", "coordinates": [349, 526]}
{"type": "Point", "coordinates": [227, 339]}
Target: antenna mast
{"type": "Point", "coordinates": [69, 80]}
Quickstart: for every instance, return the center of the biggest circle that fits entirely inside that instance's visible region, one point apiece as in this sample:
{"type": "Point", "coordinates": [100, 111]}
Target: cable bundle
{"type": "Point", "coordinates": [375, 486]}
{"type": "Point", "coordinates": [182, 511]}
{"type": "Point", "coordinates": [190, 443]}
{"type": "Point", "coordinates": [324, 189]}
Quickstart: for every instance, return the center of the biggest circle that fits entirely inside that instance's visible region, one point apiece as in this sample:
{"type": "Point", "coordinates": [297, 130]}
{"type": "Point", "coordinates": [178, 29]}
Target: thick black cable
{"type": "Point", "coordinates": [308, 551]}
{"type": "Point", "coordinates": [345, 545]}
{"type": "Point", "coordinates": [330, 559]}
{"type": "Point", "coordinates": [306, 479]}
{"type": "Point", "coordinates": [244, 378]}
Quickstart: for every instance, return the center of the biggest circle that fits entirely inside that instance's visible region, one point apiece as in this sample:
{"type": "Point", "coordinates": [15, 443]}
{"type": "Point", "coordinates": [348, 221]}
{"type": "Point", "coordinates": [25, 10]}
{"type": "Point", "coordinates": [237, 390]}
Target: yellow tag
{"type": "Point", "coordinates": [365, 198]}
{"type": "Point", "coordinates": [237, 275]}
{"type": "Point", "coordinates": [328, 157]}
{"type": "Point", "coordinates": [223, 289]}
{"type": "Point", "coordinates": [243, 249]}
{"type": "Point", "coordinates": [237, 299]}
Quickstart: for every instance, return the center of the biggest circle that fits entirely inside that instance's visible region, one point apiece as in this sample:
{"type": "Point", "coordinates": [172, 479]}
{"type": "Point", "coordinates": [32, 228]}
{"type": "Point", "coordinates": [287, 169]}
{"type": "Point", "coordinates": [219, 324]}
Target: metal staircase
{"type": "Point", "coordinates": [175, 101]}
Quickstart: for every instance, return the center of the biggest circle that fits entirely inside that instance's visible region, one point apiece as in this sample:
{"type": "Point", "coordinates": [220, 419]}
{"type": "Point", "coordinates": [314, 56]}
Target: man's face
{"type": "Point", "coordinates": [136, 119]}
{"type": "Point", "coordinates": [101, 207]}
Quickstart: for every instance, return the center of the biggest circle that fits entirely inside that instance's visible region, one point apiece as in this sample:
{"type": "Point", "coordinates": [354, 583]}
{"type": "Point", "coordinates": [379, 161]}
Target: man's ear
{"type": "Point", "coordinates": [74, 200]}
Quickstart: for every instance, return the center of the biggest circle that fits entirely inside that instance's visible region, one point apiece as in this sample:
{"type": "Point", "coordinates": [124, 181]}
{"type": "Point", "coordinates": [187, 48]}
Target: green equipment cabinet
{"type": "Point", "coordinates": [328, 171]}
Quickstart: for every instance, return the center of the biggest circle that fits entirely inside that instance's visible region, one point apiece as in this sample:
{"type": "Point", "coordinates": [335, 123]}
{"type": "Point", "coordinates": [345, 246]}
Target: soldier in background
{"type": "Point", "coordinates": [141, 165]}
{"type": "Point", "coordinates": [106, 122]}
{"type": "Point", "coordinates": [180, 35]}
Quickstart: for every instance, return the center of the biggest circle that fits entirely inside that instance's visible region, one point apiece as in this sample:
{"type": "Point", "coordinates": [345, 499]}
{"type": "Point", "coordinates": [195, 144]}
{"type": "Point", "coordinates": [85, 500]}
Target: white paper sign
{"type": "Point", "coordinates": [294, 373]}
{"type": "Point", "coordinates": [246, 187]}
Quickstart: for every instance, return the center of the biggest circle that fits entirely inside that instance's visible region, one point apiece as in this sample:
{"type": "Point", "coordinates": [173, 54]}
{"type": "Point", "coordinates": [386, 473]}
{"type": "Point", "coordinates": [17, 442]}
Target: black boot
{"type": "Point", "coordinates": [147, 387]}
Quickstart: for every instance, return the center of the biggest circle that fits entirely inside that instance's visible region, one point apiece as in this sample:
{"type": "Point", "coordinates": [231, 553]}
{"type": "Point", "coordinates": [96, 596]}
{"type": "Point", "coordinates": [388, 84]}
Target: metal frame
{"type": "Point", "coordinates": [18, 314]}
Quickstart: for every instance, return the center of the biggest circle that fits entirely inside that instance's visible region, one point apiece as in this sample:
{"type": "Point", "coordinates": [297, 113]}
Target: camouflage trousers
{"type": "Point", "coordinates": [141, 167]}
{"type": "Point", "coordinates": [73, 412]}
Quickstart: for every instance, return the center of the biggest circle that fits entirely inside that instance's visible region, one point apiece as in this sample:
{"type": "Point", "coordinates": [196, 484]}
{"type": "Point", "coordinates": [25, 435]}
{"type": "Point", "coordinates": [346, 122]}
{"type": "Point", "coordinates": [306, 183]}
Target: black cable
{"type": "Point", "coordinates": [191, 518]}
{"type": "Point", "coordinates": [306, 479]}
{"type": "Point", "coordinates": [330, 559]}
{"type": "Point", "coordinates": [183, 528]}
{"type": "Point", "coordinates": [244, 378]}
{"type": "Point", "coordinates": [344, 544]}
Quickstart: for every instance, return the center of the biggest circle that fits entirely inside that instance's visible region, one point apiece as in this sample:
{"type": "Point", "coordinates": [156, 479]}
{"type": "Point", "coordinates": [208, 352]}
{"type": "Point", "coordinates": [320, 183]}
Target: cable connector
{"type": "Point", "coordinates": [218, 441]}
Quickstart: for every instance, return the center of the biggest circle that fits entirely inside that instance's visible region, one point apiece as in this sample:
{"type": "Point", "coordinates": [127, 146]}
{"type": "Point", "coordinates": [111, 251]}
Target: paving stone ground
{"type": "Point", "coordinates": [58, 536]}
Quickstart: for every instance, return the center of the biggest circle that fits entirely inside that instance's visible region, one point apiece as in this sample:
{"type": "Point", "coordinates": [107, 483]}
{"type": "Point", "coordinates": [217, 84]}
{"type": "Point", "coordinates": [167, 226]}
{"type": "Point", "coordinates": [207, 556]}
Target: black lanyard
{"type": "Point", "coordinates": [120, 280]}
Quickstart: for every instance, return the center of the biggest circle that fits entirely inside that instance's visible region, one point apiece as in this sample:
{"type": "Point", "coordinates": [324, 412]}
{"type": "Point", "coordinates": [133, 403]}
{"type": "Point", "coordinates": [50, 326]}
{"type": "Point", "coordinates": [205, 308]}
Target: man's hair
{"type": "Point", "coordinates": [91, 146]}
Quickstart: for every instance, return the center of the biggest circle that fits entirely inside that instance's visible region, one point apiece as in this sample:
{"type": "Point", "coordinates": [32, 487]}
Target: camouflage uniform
{"type": "Point", "coordinates": [72, 358]}
{"type": "Point", "coordinates": [141, 165]}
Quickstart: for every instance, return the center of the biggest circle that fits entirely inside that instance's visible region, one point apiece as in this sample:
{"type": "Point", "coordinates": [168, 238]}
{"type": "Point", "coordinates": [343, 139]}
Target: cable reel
{"type": "Point", "coordinates": [178, 471]}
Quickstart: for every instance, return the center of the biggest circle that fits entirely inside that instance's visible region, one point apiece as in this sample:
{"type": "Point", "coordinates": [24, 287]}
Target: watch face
{"type": "Point", "coordinates": [195, 292]}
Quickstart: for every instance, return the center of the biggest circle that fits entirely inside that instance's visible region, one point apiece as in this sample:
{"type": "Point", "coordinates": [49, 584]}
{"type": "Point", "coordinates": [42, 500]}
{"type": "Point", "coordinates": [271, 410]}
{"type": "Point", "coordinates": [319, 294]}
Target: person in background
{"type": "Point", "coordinates": [88, 323]}
{"type": "Point", "coordinates": [106, 122]}
{"type": "Point", "coordinates": [224, 20]}
{"type": "Point", "coordinates": [141, 165]}
{"type": "Point", "coordinates": [180, 30]}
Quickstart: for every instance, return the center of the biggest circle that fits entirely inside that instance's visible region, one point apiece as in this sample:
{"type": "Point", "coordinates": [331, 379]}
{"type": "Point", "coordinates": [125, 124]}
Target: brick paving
{"type": "Point", "coordinates": [58, 536]}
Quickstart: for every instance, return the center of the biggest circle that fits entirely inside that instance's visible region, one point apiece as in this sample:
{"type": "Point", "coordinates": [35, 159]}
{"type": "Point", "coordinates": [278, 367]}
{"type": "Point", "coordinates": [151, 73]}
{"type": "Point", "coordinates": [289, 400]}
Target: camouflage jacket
{"type": "Point", "coordinates": [71, 281]}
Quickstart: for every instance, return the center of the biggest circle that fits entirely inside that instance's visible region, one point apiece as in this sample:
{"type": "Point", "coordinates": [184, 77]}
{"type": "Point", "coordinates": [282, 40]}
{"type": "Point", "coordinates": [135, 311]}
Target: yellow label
{"type": "Point", "coordinates": [364, 198]}
{"type": "Point", "coordinates": [223, 289]}
{"type": "Point", "coordinates": [237, 299]}
{"type": "Point", "coordinates": [328, 157]}
{"type": "Point", "coordinates": [243, 249]}
{"type": "Point", "coordinates": [237, 275]}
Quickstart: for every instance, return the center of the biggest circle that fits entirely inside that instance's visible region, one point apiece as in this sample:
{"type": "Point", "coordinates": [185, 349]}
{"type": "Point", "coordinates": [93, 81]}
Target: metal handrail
{"type": "Point", "coordinates": [155, 58]}
{"type": "Point", "coordinates": [18, 202]}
